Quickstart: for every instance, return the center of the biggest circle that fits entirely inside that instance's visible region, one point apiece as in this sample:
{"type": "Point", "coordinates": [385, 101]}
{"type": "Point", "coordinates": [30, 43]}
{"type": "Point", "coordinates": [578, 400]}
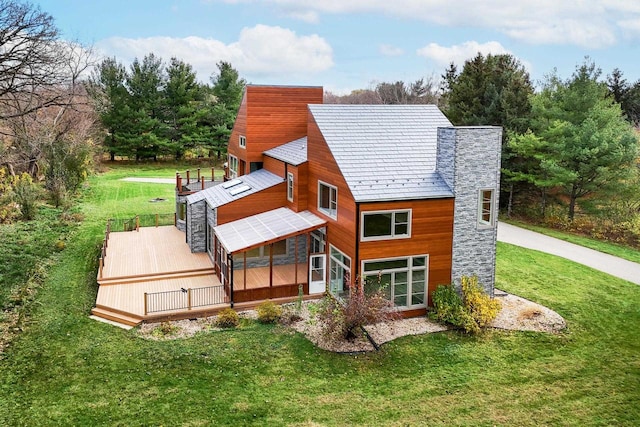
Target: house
{"type": "Point", "coordinates": [318, 196]}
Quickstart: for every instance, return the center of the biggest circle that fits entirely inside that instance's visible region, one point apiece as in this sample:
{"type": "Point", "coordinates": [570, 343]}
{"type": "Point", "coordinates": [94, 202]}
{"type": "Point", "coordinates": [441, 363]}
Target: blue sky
{"type": "Point", "coordinates": [352, 44]}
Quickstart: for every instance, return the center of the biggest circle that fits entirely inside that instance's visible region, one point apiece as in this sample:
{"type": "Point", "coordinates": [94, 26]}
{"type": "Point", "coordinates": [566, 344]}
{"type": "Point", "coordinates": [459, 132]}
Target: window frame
{"type": "Point", "coordinates": [410, 269]}
{"type": "Point", "coordinates": [328, 211]}
{"type": "Point", "coordinates": [242, 141]}
{"type": "Point", "coordinates": [233, 173]}
{"type": "Point", "coordinates": [482, 211]}
{"type": "Point", "coordinates": [340, 264]}
{"type": "Point", "coordinates": [290, 186]}
{"type": "Point", "coordinates": [393, 235]}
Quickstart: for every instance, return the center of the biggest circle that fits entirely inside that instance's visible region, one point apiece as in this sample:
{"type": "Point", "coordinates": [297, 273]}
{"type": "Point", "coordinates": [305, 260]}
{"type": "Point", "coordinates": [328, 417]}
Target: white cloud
{"type": "Point", "coordinates": [389, 50]}
{"type": "Point", "coordinates": [591, 24]}
{"type": "Point", "coordinates": [261, 51]}
{"type": "Point", "coordinates": [443, 55]}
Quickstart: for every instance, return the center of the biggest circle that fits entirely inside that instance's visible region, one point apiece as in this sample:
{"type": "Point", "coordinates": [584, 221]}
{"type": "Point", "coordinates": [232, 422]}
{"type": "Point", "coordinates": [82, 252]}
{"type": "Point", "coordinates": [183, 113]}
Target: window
{"type": "Point", "coordinates": [279, 249]}
{"type": "Point", "coordinates": [339, 272]}
{"type": "Point", "coordinates": [233, 166]}
{"type": "Point", "coordinates": [382, 225]}
{"type": "Point", "coordinates": [486, 208]}
{"type": "Point", "coordinates": [182, 211]}
{"type": "Point", "coordinates": [290, 186]}
{"type": "Point", "coordinates": [404, 280]}
{"type": "Point", "coordinates": [328, 199]}
{"type": "Point", "coordinates": [318, 239]}
{"type": "Point", "coordinates": [254, 166]}
{"type": "Point", "coordinates": [242, 142]}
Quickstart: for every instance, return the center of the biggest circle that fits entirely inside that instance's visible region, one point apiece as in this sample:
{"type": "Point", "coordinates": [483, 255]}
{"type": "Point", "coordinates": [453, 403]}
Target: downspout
{"type": "Point", "coordinates": [230, 267]}
{"type": "Point", "coordinates": [357, 263]}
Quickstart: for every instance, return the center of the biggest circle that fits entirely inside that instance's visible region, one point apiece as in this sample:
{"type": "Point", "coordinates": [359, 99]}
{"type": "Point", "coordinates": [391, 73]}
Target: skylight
{"type": "Point", "coordinates": [237, 190]}
{"type": "Point", "coordinates": [231, 183]}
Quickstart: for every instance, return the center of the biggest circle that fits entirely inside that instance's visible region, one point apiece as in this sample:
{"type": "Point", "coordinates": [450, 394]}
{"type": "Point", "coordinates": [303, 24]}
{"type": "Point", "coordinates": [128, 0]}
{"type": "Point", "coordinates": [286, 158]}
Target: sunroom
{"type": "Point", "coordinates": [270, 255]}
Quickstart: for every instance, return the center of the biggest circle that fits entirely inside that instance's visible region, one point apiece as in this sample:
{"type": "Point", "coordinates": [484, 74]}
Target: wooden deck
{"type": "Point", "coordinates": [153, 259]}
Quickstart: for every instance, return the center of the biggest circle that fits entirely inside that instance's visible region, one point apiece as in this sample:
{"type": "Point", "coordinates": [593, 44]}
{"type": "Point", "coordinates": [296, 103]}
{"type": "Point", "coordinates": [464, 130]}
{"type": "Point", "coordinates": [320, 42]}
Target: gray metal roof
{"type": "Point", "coordinates": [294, 152]}
{"type": "Point", "coordinates": [385, 152]}
{"type": "Point", "coordinates": [219, 195]}
{"type": "Point", "coordinates": [260, 229]}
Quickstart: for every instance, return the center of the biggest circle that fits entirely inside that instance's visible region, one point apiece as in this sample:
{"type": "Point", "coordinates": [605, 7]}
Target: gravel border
{"type": "Point", "coordinates": [518, 314]}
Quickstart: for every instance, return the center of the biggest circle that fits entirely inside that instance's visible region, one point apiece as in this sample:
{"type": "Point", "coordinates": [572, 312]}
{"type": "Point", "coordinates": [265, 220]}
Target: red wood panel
{"type": "Point", "coordinates": [262, 201]}
{"type": "Point", "coordinates": [322, 167]}
{"type": "Point", "coordinates": [239, 128]}
{"type": "Point", "coordinates": [431, 233]}
{"type": "Point", "coordinates": [276, 115]}
{"type": "Point", "coordinates": [274, 166]}
{"type": "Point", "coordinates": [300, 187]}
{"type": "Point", "coordinates": [267, 293]}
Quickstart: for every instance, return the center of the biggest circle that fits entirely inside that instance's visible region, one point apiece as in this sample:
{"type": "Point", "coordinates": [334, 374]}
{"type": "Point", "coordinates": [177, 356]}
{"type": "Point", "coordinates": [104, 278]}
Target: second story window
{"type": "Point", "coordinates": [242, 141]}
{"type": "Point", "coordinates": [233, 167]}
{"type": "Point", "coordinates": [328, 199]}
{"type": "Point", "coordinates": [380, 225]}
{"type": "Point", "coordinates": [290, 186]}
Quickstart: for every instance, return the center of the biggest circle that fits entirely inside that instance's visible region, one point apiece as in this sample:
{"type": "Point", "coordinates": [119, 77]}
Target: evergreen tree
{"type": "Point", "coordinates": [227, 88]}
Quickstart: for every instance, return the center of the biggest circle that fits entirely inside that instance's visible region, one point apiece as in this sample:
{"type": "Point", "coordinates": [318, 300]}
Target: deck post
{"type": "Point", "coordinates": [145, 303]}
{"type": "Point", "coordinates": [188, 177]}
{"type": "Point", "coordinates": [137, 223]}
{"type": "Point", "coordinates": [198, 174]}
{"type": "Point", "coordinates": [175, 219]}
{"type": "Point", "coordinates": [202, 181]}
{"type": "Point", "coordinates": [213, 175]}
{"type": "Point", "coordinates": [188, 298]}
{"type": "Point", "coordinates": [230, 276]}
{"type": "Point", "coordinates": [100, 266]}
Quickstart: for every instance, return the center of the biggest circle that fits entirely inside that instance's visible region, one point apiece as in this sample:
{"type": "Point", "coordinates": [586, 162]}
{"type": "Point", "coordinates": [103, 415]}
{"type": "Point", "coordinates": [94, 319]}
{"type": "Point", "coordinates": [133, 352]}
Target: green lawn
{"type": "Point", "coordinates": [66, 369]}
{"type": "Point", "coordinates": [599, 245]}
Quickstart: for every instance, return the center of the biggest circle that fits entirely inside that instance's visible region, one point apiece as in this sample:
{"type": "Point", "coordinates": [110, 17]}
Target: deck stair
{"type": "Point", "coordinates": [155, 276]}
{"type": "Point", "coordinates": [116, 315]}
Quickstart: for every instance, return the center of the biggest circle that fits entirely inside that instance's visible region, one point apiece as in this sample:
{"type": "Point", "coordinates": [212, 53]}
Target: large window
{"type": "Point", "coordinates": [290, 186]}
{"type": "Point", "coordinates": [404, 280]}
{"type": "Point", "coordinates": [486, 208]}
{"type": "Point", "coordinates": [380, 225]}
{"type": "Point", "coordinates": [233, 167]}
{"type": "Point", "coordinates": [242, 142]}
{"type": "Point", "coordinates": [339, 272]}
{"type": "Point", "coordinates": [328, 199]}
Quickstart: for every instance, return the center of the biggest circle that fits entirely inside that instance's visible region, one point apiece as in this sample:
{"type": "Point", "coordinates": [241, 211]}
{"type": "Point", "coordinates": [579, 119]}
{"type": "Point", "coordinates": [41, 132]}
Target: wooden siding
{"type": "Point", "coordinates": [262, 201]}
{"type": "Point", "coordinates": [341, 233]}
{"type": "Point", "coordinates": [300, 187]}
{"type": "Point", "coordinates": [270, 116]}
{"type": "Point", "coordinates": [275, 166]}
{"type": "Point", "coordinates": [431, 233]}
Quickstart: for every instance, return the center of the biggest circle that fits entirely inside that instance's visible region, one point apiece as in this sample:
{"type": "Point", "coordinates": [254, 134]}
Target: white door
{"type": "Point", "coordinates": [317, 274]}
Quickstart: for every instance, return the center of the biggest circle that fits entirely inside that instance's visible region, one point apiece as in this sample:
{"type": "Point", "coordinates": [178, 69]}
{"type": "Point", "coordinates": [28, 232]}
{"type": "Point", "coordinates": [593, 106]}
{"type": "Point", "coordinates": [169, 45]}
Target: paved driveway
{"type": "Point", "coordinates": [612, 265]}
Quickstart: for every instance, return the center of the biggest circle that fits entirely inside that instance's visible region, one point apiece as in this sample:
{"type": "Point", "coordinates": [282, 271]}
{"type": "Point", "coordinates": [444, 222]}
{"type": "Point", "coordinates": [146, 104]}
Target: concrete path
{"type": "Point", "coordinates": [612, 265]}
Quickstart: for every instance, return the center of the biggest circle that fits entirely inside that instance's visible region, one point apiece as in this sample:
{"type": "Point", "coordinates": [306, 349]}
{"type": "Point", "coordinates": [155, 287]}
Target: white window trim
{"type": "Point", "coordinates": [290, 186]}
{"type": "Point", "coordinates": [393, 236]}
{"type": "Point", "coordinates": [492, 209]}
{"type": "Point", "coordinates": [242, 141]}
{"type": "Point", "coordinates": [325, 211]}
{"type": "Point", "coordinates": [410, 269]}
{"type": "Point", "coordinates": [233, 173]}
{"type": "Point", "coordinates": [340, 263]}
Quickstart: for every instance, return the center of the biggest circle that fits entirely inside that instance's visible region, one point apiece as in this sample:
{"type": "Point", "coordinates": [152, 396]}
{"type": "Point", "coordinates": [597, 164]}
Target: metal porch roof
{"type": "Point", "coordinates": [294, 152]}
{"type": "Point", "coordinates": [264, 228]}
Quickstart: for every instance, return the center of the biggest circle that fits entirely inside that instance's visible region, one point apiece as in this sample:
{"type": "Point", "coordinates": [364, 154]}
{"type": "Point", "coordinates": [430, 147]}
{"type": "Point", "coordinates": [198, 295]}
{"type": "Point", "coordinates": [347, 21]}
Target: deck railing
{"type": "Point", "coordinates": [132, 224]}
{"type": "Point", "coordinates": [182, 299]}
{"type": "Point", "coordinates": [192, 176]}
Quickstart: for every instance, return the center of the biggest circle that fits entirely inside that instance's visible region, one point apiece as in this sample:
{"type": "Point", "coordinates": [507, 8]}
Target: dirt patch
{"type": "Point", "coordinates": [516, 314]}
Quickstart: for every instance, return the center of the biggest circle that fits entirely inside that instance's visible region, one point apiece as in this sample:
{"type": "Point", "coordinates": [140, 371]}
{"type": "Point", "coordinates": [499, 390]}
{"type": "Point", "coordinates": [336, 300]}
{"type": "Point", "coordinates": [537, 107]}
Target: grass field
{"type": "Point", "coordinates": [66, 369]}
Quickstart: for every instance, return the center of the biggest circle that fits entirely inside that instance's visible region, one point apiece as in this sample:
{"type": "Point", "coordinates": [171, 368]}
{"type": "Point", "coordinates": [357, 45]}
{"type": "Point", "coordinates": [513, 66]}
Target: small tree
{"type": "Point", "coordinates": [26, 193]}
{"type": "Point", "coordinates": [343, 319]}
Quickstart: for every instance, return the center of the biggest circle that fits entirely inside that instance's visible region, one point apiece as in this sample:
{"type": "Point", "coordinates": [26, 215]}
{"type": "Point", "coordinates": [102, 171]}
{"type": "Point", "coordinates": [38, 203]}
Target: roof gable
{"type": "Point", "coordinates": [385, 152]}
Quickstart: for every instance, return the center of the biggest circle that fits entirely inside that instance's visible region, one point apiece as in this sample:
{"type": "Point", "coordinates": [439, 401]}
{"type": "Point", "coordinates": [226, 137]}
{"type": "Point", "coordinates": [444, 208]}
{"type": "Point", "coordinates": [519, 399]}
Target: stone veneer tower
{"type": "Point", "coordinates": [468, 160]}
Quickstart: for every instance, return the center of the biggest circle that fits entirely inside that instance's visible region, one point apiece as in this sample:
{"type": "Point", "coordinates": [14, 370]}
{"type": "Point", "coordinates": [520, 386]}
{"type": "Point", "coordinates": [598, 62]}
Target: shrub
{"type": "Point", "coordinates": [482, 308]}
{"type": "Point", "coordinates": [471, 312]}
{"type": "Point", "coordinates": [227, 318]}
{"type": "Point", "coordinates": [268, 312]}
{"type": "Point", "coordinates": [26, 194]}
{"type": "Point", "coordinates": [344, 319]}
{"type": "Point", "coordinates": [164, 329]}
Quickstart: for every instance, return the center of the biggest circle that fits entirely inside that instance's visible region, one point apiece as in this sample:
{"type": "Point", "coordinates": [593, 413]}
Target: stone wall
{"type": "Point", "coordinates": [180, 224]}
{"type": "Point", "coordinates": [469, 161]}
{"type": "Point", "coordinates": [196, 231]}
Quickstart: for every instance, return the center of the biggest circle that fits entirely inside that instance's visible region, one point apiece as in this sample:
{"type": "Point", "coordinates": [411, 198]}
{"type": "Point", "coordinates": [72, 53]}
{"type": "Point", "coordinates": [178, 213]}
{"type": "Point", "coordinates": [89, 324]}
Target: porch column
{"type": "Point", "coordinates": [271, 265]}
{"type": "Point", "coordinates": [230, 276]}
